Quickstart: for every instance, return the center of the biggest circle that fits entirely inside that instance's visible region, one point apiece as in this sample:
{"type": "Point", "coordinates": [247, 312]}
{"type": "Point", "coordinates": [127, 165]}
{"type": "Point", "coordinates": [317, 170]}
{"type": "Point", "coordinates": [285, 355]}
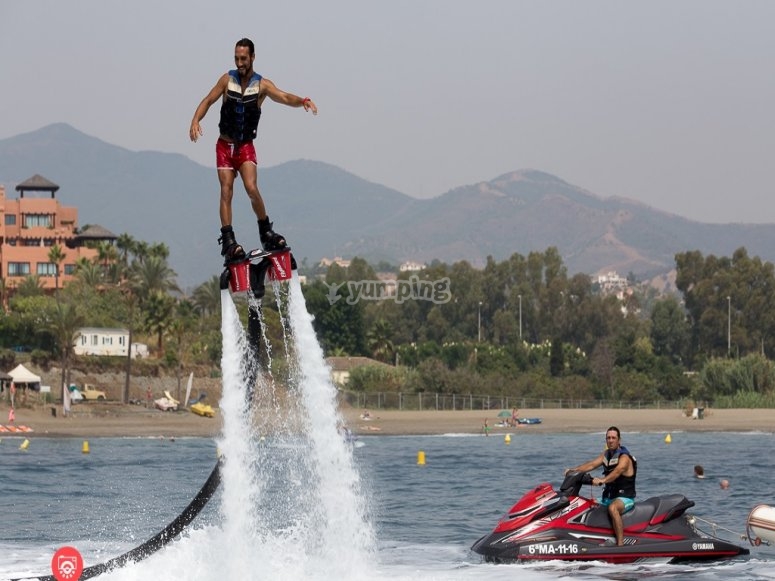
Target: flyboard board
{"type": "Point", "coordinates": [248, 275]}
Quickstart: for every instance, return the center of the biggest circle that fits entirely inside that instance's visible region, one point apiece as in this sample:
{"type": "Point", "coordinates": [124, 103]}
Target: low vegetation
{"type": "Point", "coordinates": [520, 328]}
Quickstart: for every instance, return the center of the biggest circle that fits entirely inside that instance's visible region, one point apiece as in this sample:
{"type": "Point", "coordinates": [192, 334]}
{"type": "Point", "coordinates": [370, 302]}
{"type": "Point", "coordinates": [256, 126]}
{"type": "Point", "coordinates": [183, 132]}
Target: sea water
{"type": "Point", "coordinates": [425, 518]}
{"type": "Point", "coordinates": [304, 504]}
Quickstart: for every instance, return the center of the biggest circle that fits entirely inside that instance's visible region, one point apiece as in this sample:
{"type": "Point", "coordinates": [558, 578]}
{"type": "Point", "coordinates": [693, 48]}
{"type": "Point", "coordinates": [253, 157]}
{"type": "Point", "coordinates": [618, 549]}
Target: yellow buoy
{"type": "Point", "coordinates": [85, 447]}
{"type": "Point", "coordinates": [24, 445]}
{"type": "Point", "coordinates": [668, 439]}
{"type": "Point", "coordinates": [421, 458]}
{"type": "Point", "coordinates": [507, 438]}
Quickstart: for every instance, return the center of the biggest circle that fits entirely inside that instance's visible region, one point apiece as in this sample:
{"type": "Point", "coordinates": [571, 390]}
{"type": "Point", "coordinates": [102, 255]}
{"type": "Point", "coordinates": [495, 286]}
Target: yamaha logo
{"type": "Point", "coordinates": [702, 546]}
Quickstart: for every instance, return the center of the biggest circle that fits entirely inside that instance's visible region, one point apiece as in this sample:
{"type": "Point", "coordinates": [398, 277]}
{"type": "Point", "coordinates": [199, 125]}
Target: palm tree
{"type": "Point", "coordinates": [379, 341]}
{"type": "Point", "coordinates": [207, 296]}
{"type": "Point", "coordinates": [160, 250]}
{"type": "Point", "coordinates": [56, 256]}
{"type": "Point", "coordinates": [3, 293]}
{"type": "Point", "coordinates": [140, 250]}
{"type": "Point", "coordinates": [106, 254]}
{"type": "Point", "coordinates": [30, 286]}
{"type": "Point", "coordinates": [65, 321]}
{"type": "Point", "coordinates": [89, 273]}
{"type": "Point", "coordinates": [125, 244]}
{"type": "Point", "coordinates": [181, 328]}
{"type": "Point", "coordinates": [151, 275]}
{"type": "Point", "coordinates": [159, 311]}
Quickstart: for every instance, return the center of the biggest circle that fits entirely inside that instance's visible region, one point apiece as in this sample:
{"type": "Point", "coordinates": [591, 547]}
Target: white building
{"type": "Point", "coordinates": [612, 282]}
{"type": "Point", "coordinates": [411, 266]}
{"type": "Point", "coordinates": [105, 342]}
{"type": "Point", "coordinates": [338, 260]}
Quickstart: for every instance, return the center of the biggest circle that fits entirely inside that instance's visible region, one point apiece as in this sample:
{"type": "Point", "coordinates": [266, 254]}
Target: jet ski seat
{"type": "Point", "coordinates": [645, 514]}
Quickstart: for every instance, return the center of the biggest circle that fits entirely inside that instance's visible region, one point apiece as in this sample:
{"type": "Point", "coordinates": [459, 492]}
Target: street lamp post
{"type": "Point", "coordinates": [729, 325]}
{"type": "Point", "coordinates": [520, 318]}
{"type": "Point", "coordinates": [479, 325]}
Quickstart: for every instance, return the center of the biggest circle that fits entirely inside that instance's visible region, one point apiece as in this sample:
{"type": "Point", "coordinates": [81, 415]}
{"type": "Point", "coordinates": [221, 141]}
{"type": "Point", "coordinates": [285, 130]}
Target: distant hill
{"type": "Point", "coordinates": [326, 211]}
{"type": "Point", "coordinates": [529, 210]}
{"type": "Point", "coordinates": [163, 197]}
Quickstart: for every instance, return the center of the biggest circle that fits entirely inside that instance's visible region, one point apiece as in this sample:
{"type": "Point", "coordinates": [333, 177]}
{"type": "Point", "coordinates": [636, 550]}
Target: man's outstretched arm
{"type": "Point", "coordinates": [280, 96]}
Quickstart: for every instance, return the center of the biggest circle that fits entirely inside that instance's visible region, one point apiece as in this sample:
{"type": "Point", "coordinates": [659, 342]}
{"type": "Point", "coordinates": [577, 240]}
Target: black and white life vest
{"type": "Point", "coordinates": [624, 485]}
{"type": "Point", "coordinates": [239, 110]}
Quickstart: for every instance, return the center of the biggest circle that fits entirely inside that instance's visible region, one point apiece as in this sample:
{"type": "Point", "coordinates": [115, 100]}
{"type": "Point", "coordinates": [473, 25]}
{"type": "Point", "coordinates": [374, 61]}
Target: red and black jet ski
{"type": "Point", "coordinates": [546, 524]}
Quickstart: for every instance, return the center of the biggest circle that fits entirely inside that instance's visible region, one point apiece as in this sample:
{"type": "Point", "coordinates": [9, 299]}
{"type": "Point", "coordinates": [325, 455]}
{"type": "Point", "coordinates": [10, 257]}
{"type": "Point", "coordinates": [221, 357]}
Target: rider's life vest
{"type": "Point", "coordinates": [624, 485]}
{"type": "Point", "coordinates": [239, 110]}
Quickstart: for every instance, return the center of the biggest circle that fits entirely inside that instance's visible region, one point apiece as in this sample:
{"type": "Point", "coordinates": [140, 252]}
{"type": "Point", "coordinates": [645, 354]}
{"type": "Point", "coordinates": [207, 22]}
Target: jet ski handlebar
{"type": "Point", "coordinates": [573, 482]}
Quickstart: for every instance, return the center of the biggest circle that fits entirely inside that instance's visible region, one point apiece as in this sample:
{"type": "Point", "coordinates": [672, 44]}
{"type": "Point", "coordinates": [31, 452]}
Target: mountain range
{"type": "Point", "coordinates": [325, 211]}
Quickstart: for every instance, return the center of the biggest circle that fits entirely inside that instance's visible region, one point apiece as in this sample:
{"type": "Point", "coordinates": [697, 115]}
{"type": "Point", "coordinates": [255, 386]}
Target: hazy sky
{"type": "Point", "coordinates": [671, 103]}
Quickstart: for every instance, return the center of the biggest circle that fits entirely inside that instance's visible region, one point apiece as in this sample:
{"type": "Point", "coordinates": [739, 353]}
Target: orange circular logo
{"type": "Point", "coordinates": [67, 564]}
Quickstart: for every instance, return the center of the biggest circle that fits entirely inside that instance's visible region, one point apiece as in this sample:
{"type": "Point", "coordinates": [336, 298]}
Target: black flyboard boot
{"type": "Point", "coordinates": [230, 250]}
{"type": "Point", "coordinates": [270, 239]}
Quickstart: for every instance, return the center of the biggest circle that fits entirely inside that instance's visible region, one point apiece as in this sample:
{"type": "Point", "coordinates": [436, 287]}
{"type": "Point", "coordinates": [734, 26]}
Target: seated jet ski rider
{"type": "Point", "coordinates": [619, 471]}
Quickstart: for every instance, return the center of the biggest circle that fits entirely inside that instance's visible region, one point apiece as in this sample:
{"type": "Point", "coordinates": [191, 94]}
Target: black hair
{"type": "Point", "coordinates": [615, 429]}
{"type": "Point", "coordinates": [248, 43]}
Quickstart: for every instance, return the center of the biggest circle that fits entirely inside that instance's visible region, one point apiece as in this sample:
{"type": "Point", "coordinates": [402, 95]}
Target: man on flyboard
{"type": "Point", "coordinates": [242, 91]}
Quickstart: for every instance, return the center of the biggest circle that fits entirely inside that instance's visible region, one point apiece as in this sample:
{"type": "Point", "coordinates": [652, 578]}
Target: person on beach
{"type": "Point", "coordinates": [619, 472]}
{"type": "Point", "coordinates": [242, 92]}
{"type": "Point", "coordinates": [11, 416]}
{"type": "Point", "coordinates": [485, 428]}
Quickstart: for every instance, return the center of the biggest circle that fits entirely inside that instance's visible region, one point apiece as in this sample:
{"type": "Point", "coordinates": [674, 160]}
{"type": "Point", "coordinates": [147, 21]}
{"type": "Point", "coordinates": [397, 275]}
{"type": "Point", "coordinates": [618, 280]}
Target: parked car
{"type": "Point", "coordinates": [89, 393]}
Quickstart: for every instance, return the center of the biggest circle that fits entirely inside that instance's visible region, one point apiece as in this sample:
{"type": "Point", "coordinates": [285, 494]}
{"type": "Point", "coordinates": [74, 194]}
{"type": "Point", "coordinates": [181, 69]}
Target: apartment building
{"type": "Point", "coordinates": [31, 225]}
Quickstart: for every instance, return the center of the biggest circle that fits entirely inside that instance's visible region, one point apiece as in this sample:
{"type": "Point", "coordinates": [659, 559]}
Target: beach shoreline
{"type": "Point", "coordinates": [89, 420]}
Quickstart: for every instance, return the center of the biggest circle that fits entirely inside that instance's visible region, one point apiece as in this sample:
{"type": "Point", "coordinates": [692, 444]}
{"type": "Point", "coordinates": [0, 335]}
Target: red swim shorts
{"type": "Point", "coordinates": [233, 155]}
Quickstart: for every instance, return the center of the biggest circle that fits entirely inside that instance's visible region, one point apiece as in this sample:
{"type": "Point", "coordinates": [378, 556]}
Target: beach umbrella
{"type": "Point", "coordinates": [504, 414]}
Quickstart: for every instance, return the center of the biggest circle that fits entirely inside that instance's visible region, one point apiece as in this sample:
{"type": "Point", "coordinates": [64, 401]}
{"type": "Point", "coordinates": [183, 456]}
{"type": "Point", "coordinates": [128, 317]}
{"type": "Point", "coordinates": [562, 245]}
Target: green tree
{"type": "Point", "coordinates": [125, 244]}
{"type": "Point", "coordinates": [152, 275]}
{"type": "Point", "coordinates": [65, 321]}
{"type": "Point", "coordinates": [56, 256]}
{"type": "Point", "coordinates": [182, 329]}
{"type": "Point", "coordinates": [670, 329]}
{"type": "Point", "coordinates": [207, 297]}
{"type": "Point", "coordinates": [379, 343]}
{"type": "Point", "coordinates": [557, 358]}
{"type": "Point", "coordinates": [158, 311]}
{"type": "Point", "coordinates": [729, 300]}
{"type": "Point", "coordinates": [89, 273]}
{"type": "Point", "coordinates": [30, 286]}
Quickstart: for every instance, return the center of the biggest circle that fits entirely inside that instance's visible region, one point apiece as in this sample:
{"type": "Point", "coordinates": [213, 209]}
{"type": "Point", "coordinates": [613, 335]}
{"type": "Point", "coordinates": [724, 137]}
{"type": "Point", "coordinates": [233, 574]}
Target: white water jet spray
{"type": "Point", "coordinates": [346, 535]}
{"type": "Point", "coordinates": [240, 488]}
{"type": "Point", "coordinates": [291, 501]}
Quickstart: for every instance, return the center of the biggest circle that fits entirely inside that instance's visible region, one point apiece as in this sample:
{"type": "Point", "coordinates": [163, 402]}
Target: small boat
{"type": "Point", "coordinates": [761, 525]}
{"type": "Point", "coordinates": [203, 409]}
{"type": "Point", "coordinates": [165, 404]}
{"type": "Point", "coordinates": [529, 421]}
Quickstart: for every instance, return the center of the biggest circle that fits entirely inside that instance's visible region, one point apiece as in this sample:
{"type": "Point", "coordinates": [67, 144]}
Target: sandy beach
{"type": "Point", "coordinates": [114, 420]}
